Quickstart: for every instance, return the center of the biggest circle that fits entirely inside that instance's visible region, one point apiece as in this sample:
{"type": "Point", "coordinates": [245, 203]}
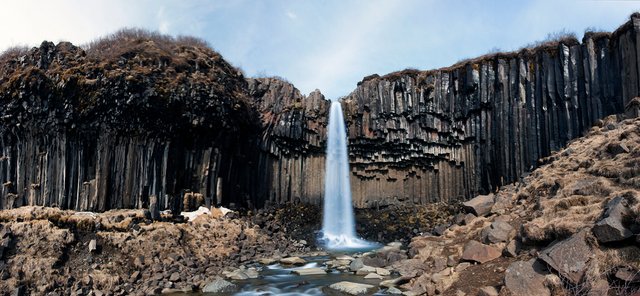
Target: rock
{"type": "Point", "coordinates": [310, 271]}
{"type": "Point", "coordinates": [93, 246]}
{"type": "Point", "coordinates": [154, 208]}
{"type": "Point", "coordinates": [479, 252]}
{"type": "Point", "coordinates": [237, 274]}
{"type": "Point", "coordinates": [393, 282]}
{"type": "Point", "coordinates": [134, 276]}
{"type": "Point", "coordinates": [394, 291]}
{"type": "Point", "coordinates": [220, 286]}
{"type": "Point", "coordinates": [293, 261]}
{"type": "Point", "coordinates": [468, 219]}
{"type": "Point", "coordinates": [345, 257]}
{"type": "Point", "coordinates": [462, 266]}
{"type": "Point", "coordinates": [512, 249]}
{"type": "Point", "coordinates": [366, 270]}
{"type": "Point", "coordinates": [480, 205]}
{"type": "Point", "coordinates": [350, 288]}
{"type": "Point", "coordinates": [174, 277]}
{"type": "Point", "coordinates": [617, 148]}
{"type": "Point", "coordinates": [610, 228]}
{"type": "Point", "coordinates": [373, 276]}
{"type": "Point", "coordinates": [488, 291]}
{"type": "Point", "coordinates": [498, 231]}
{"type": "Point", "coordinates": [440, 229]}
{"type": "Point", "coordinates": [356, 264]}
{"type": "Point", "coordinates": [628, 275]}
{"type": "Point", "coordinates": [526, 278]}
{"type": "Point", "coordinates": [570, 256]}
{"type": "Point", "coordinates": [382, 271]}
{"type": "Point", "coordinates": [452, 261]}
{"type": "Point", "coordinates": [267, 261]}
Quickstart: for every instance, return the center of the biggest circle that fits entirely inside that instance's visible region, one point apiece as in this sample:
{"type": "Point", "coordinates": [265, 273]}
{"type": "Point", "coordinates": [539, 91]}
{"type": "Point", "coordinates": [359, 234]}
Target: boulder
{"type": "Point", "coordinates": [479, 252]}
{"type": "Point", "coordinates": [497, 232]}
{"type": "Point", "coordinates": [628, 275]}
{"type": "Point", "coordinates": [526, 278]}
{"type": "Point", "coordinates": [610, 227]}
{"type": "Point", "coordinates": [349, 288]}
{"type": "Point", "coordinates": [382, 271]}
{"type": "Point", "coordinates": [356, 264]}
{"type": "Point", "coordinates": [373, 276]}
{"type": "Point", "coordinates": [220, 286]}
{"type": "Point", "coordinates": [570, 256]}
{"type": "Point", "coordinates": [293, 261]}
{"type": "Point", "coordinates": [366, 270]}
{"type": "Point", "coordinates": [310, 271]}
{"type": "Point", "coordinates": [480, 205]}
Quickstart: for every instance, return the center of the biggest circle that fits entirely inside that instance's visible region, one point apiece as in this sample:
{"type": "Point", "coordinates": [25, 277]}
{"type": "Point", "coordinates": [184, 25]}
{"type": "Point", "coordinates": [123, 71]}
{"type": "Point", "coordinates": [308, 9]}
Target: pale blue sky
{"type": "Point", "coordinates": [329, 45]}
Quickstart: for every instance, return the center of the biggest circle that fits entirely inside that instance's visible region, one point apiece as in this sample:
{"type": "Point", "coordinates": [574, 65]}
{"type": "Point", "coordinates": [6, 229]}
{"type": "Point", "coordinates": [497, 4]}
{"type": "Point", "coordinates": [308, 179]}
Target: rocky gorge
{"type": "Point", "coordinates": [102, 148]}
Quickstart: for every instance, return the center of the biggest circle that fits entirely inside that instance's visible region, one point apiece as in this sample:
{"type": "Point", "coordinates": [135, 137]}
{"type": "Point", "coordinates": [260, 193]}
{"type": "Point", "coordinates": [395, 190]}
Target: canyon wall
{"type": "Point", "coordinates": [155, 121]}
{"type": "Point", "coordinates": [453, 133]}
{"type": "Point", "coordinates": [148, 119]}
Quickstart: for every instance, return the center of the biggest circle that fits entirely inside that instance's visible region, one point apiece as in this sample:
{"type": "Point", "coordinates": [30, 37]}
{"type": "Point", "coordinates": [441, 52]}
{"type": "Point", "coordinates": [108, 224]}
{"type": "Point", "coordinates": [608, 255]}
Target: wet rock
{"type": "Point", "coordinates": [349, 288]}
{"type": "Point", "coordinates": [394, 291]}
{"type": "Point", "coordinates": [526, 278]}
{"type": "Point", "coordinates": [488, 291]}
{"type": "Point", "coordinates": [570, 256]}
{"type": "Point", "coordinates": [293, 261]}
{"type": "Point", "coordinates": [356, 264]}
{"type": "Point", "coordinates": [383, 271]}
{"type": "Point", "coordinates": [479, 252]}
{"type": "Point", "coordinates": [267, 261]}
{"type": "Point", "coordinates": [366, 270]}
{"type": "Point", "coordinates": [497, 232]}
{"type": "Point", "coordinates": [373, 276]}
{"type": "Point", "coordinates": [220, 286]}
{"type": "Point", "coordinates": [610, 227]}
{"type": "Point", "coordinates": [310, 271]}
{"type": "Point", "coordinates": [480, 205]}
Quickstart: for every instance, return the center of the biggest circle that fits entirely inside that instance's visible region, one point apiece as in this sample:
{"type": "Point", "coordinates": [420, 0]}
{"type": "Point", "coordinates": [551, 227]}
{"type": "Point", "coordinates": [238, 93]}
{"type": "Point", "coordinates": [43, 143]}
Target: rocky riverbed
{"type": "Point", "coordinates": [569, 228]}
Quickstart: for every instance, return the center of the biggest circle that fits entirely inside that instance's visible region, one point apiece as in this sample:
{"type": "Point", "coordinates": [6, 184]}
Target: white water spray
{"type": "Point", "coordinates": [338, 225]}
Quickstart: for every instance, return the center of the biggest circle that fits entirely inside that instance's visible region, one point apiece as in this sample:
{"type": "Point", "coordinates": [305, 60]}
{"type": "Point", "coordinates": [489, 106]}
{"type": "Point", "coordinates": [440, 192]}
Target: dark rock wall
{"type": "Point", "coordinates": [453, 133]}
{"type": "Point", "coordinates": [96, 134]}
{"type": "Point", "coordinates": [291, 163]}
{"type": "Point", "coordinates": [88, 136]}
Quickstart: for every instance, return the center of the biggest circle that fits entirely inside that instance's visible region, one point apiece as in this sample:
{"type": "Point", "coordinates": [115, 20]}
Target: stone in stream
{"type": "Point", "coordinates": [356, 264]}
{"type": "Point", "coordinates": [220, 286]}
{"type": "Point", "coordinates": [366, 270]}
{"type": "Point", "coordinates": [310, 271]}
{"type": "Point", "coordinates": [293, 261]}
{"type": "Point", "coordinates": [373, 276]}
{"type": "Point", "coordinates": [349, 288]}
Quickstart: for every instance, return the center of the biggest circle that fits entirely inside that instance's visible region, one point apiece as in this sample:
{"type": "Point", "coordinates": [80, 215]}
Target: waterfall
{"type": "Point", "coordinates": [338, 224]}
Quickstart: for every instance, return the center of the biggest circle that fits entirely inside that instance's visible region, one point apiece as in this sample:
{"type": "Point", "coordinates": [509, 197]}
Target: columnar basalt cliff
{"type": "Point", "coordinates": [144, 119]}
{"type": "Point", "coordinates": [425, 136]}
{"type": "Point", "coordinates": [128, 123]}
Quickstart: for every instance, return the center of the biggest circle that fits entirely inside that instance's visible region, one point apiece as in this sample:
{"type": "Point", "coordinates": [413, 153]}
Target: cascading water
{"type": "Point", "coordinates": [338, 225]}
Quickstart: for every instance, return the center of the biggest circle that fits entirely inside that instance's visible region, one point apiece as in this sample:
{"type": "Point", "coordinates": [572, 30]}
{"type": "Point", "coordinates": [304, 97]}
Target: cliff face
{"type": "Point", "coordinates": [147, 118]}
{"type": "Point", "coordinates": [453, 133]}
{"type": "Point", "coordinates": [290, 166]}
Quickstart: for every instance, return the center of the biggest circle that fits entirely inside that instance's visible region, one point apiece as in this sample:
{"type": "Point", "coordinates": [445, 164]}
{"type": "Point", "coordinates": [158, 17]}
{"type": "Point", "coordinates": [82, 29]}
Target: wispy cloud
{"type": "Point", "coordinates": [291, 15]}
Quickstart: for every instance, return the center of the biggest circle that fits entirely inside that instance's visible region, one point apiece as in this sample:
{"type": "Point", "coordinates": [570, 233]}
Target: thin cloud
{"type": "Point", "coordinates": [291, 15]}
